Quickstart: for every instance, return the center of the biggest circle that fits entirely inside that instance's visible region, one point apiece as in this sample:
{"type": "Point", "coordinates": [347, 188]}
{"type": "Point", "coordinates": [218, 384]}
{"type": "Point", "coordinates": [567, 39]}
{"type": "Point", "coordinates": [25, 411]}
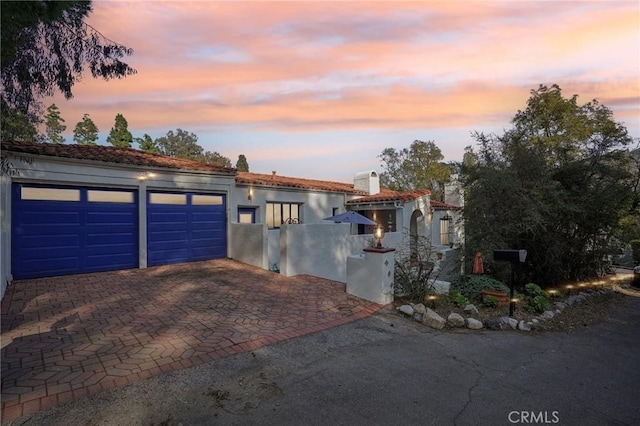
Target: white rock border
{"type": "Point", "coordinates": [418, 311]}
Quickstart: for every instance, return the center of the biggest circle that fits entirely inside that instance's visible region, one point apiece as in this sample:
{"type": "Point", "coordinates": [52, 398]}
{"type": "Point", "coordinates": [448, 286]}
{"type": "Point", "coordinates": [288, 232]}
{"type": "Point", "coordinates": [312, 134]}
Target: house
{"type": "Point", "coordinates": [271, 208]}
{"type": "Point", "coordinates": [72, 209]}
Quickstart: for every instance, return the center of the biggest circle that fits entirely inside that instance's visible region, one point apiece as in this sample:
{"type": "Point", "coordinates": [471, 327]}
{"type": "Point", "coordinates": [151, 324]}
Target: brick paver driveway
{"type": "Point", "coordinates": [67, 337]}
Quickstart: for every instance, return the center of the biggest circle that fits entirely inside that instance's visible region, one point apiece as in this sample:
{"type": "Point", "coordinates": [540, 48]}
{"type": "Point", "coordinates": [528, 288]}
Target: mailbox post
{"type": "Point", "coordinates": [511, 256]}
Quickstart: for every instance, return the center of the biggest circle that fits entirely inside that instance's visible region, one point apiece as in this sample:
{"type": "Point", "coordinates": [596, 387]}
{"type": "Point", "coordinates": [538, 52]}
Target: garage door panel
{"type": "Point", "coordinates": [164, 257]}
{"type": "Point", "coordinates": [48, 241]}
{"type": "Point", "coordinates": [118, 261]}
{"type": "Point", "coordinates": [49, 217]}
{"type": "Point", "coordinates": [159, 218]}
{"type": "Point", "coordinates": [54, 265]}
{"type": "Point", "coordinates": [53, 237]}
{"type": "Point", "coordinates": [111, 218]}
{"type": "Point", "coordinates": [192, 228]}
{"type": "Point", "coordinates": [101, 239]}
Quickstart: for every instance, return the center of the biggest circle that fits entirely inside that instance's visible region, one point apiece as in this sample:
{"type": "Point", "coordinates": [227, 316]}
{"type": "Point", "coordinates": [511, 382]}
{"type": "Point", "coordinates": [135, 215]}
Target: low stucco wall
{"type": "Point", "coordinates": [248, 243]}
{"type": "Point", "coordinates": [322, 249]}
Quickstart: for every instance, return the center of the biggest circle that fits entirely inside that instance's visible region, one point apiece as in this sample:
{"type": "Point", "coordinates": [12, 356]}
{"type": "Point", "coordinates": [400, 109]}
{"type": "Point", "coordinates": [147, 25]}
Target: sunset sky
{"type": "Point", "coordinates": [319, 89]}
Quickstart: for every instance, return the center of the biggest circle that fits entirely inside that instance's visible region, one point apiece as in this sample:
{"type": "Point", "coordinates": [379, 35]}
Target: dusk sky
{"type": "Point", "coordinates": [319, 89]}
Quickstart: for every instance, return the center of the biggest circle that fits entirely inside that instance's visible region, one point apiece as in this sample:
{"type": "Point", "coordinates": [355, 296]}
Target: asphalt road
{"type": "Point", "coordinates": [387, 370]}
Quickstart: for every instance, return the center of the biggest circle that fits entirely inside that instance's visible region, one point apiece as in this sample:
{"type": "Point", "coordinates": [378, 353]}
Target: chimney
{"type": "Point", "coordinates": [368, 182]}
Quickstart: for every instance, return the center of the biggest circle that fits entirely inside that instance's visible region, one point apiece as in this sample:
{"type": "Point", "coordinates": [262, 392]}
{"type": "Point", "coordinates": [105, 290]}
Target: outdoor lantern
{"type": "Point", "coordinates": [250, 194]}
{"type": "Point", "coordinates": [379, 234]}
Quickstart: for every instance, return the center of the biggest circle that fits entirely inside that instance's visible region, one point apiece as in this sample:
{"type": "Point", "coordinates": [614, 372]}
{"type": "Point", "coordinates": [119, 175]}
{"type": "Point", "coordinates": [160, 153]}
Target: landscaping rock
{"type": "Point", "coordinates": [535, 320]}
{"type": "Point", "coordinates": [433, 320]}
{"type": "Point", "coordinates": [417, 317]}
{"type": "Point", "coordinates": [509, 322]}
{"type": "Point", "coordinates": [547, 315]}
{"type": "Point", "coordinates": [560, 305]}
{"type": "Point", "coordinates": [455, 319]}
{"type": "Point", "coordinates": [493, 324]}
{"type": "Point", "coordinates": [419, 308]}
{"type": "Point", "coordinates": [471, 309]}
{"type": "Point", "coordinates": [474, 324]}
{"type": "Point", "coordinates": [524, 326]}
{"type": "Point", "coordinates": [406, 309]}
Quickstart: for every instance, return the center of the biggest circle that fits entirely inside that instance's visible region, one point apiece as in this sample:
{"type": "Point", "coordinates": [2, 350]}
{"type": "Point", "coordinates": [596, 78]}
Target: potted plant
{"type": "Point", "coordinates": [501, 296]}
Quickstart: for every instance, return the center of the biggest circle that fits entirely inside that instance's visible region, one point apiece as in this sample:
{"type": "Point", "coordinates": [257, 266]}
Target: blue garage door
{"type": "Point", "coordinates": [185, 227]}
{"type": "Point", "coordinates": [60, 230]}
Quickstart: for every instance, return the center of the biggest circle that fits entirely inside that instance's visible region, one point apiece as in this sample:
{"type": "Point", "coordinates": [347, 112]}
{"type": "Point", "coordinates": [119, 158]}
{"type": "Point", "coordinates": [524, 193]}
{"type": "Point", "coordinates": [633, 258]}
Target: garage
{"type": "Point", "coordinates": [185, 227]}
{"type": "Point", "coordinates": [60, 230]}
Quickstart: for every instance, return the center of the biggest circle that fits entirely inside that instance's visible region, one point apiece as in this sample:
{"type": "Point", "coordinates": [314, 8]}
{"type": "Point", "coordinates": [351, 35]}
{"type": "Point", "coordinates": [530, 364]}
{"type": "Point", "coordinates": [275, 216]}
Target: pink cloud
{"type": "Point", "coordinates": [304, 66]}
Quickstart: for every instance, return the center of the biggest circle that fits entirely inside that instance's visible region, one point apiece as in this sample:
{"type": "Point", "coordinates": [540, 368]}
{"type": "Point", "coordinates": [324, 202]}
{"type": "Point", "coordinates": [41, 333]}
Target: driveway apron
{"type": "Point", "coordinates": [67, 337]}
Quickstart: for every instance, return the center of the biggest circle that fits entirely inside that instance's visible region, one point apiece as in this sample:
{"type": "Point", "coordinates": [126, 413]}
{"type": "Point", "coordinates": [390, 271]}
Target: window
{"type": "Point", "coordinates": [386, 218]}
{"type": "Point", "coordinates": [246, 215]}
{"type": "Point", "coordinates": [279, 213]}
{"type": "Point", "coordinates": [50, 194]}
{"type": "Point", "coordinates": [206, 200]}
{"type": "Point", "coordinates": [96, 196]}
{"type": "Point", "coordinates": [445, 229]}
{"type": "Point", "coordinates": [160, 198]}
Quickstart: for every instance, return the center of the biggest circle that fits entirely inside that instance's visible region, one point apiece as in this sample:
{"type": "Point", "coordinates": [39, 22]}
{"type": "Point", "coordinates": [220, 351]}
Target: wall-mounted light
{"type": "Point", "coordinates": [378, 233]}
{"type": "Point", "coordinates": [146, 175]}
{"type": "Point", "coordinates": [250, 194]}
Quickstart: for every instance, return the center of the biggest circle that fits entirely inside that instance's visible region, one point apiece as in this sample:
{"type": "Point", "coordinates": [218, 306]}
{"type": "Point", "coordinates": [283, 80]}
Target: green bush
{"type": "Point", "coordinates": [533, 290]}
{"type": "Point", "coordinates": [538, 304]}
{"type": "Point", "coordinates": [491, 302]}
{"type": "Point", "coordinates": [470, 286]}
{"type": "Point", "coordinates": [458, 299]}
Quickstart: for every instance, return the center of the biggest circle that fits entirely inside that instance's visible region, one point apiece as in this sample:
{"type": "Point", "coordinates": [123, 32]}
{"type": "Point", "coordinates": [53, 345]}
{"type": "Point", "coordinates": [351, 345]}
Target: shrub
{"type": "Point", "coordinates": [470, 286]}
{"type": "Point", "coordinates": [538, 304]}
{"type": "Point", "coordinates": [533, 290]}
{"type": "Point", "coordinates": [458, 299]}
{"type": "Point", "coordinates": [490, 302]}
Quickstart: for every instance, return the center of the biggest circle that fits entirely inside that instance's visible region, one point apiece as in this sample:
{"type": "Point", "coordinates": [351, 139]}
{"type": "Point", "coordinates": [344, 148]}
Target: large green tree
{"type": "Point", "coordinates": [415, 168]}
{"type": "Point", "coordinates": [555, 184]}
{"type": "Point", "coordinates": [215, 158]}
{"type": "Point", "coordinates": [46, 46]}
{"type": "Point", "coordinates": [86, 131]}
{"type": "Point", "coordinates": [119, 135]}
{"type": "Point", "coordinates": [54, 124]}
{"type": "Point", "coordinates": [180, 144]}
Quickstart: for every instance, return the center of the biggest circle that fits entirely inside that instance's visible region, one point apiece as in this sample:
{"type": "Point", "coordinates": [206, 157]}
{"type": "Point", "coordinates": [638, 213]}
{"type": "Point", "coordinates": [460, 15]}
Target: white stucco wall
{"type": "Point", "coordinates": [322, 249]}
{"type": "Point", "coordinates": [64, 171]}
{"type": "Point", "coordinates": [316, 205]}
{"type": "Point", "coordinates": [248, 244]}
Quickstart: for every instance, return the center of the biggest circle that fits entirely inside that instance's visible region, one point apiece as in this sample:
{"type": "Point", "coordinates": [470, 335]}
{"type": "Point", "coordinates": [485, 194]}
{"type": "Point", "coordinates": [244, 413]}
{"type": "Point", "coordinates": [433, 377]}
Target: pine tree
{"type": "Point", "coordinates": [54, 126]}
{"type": "Point", "coordinates": [86, 132]}
{"type": "Point", "coordinates": [120, 135]}
{"type": "Point", "coordinates": [242, 165]}
{"type": "Point", "coordinates": [147, 144]}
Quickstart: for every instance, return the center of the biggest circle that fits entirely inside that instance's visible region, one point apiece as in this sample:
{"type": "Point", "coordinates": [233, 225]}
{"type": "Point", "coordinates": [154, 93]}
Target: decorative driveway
{"type": "Point", "coordinates": [67, 337]}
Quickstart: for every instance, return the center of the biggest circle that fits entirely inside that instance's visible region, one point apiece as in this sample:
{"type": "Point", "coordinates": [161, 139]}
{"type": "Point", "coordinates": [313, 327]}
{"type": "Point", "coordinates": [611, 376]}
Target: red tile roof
{"type": "Point", "coordinates": [439, 205]}
{"type": "Point", "coordinates": [110, 154]}
{"type": "Point", "coordinates": [387, 195]}
{"type": "Point", "coordinates": [292, 182]}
